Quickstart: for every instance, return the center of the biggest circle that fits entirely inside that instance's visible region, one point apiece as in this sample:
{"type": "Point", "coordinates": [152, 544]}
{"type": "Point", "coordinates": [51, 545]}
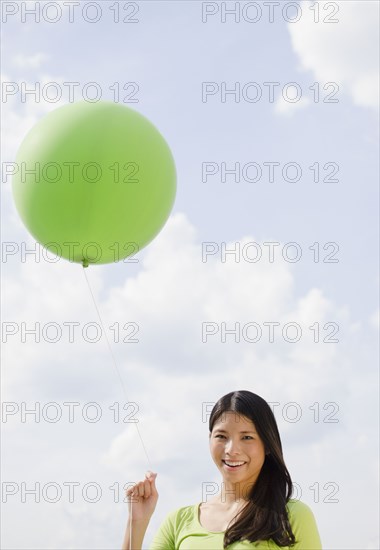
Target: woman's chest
{"type": "Point", "coordinates": [216, 519]}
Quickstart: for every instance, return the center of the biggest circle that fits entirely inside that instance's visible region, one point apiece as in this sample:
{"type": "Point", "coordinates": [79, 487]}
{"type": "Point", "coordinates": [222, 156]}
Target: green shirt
{"type": "Point", "coordinates": [181, 530]}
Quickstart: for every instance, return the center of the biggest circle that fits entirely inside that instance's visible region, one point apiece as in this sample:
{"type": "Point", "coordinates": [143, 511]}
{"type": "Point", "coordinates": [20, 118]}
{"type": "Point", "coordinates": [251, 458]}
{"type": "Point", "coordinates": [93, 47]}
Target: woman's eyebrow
{"type": "Point", "coordinates": [242, 432]}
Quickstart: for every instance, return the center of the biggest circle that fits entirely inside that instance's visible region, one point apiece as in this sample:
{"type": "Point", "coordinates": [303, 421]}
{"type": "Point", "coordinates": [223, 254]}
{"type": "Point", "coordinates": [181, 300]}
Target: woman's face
{"type": "Point", "coordinates": [234, 440]}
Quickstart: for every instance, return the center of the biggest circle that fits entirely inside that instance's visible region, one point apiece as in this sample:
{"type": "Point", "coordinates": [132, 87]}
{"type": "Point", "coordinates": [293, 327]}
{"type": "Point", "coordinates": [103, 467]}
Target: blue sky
{"type": "Point", "coordinates": [170, 292]}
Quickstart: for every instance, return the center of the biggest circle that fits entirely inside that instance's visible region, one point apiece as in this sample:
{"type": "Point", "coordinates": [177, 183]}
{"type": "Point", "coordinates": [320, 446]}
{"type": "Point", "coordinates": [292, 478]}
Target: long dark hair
{"type": "Point", "coordinates": [264, 517]}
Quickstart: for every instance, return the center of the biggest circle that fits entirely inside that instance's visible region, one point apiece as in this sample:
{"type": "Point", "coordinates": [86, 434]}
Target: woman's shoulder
{"type": "Point", "coordinates": [177, 522]}
{"type": "Point", "coordinates": [183, 514]}
{"type": "Point", "coordinates": [297, 507]}
{"type": "Point", "coordinates": [300, 514]}
{"type": "Point", "coordinates": [304, 526]}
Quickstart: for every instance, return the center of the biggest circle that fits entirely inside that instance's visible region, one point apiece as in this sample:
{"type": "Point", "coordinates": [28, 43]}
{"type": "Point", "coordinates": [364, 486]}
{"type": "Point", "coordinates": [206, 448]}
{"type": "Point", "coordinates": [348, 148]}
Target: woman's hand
{"type": "Point", "coordinates": [143, 498]}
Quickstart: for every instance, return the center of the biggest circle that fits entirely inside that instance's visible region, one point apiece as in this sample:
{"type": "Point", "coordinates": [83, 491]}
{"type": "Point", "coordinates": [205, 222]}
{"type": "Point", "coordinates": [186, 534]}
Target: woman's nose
{"type": "Point", "coordinates": [232, 446]}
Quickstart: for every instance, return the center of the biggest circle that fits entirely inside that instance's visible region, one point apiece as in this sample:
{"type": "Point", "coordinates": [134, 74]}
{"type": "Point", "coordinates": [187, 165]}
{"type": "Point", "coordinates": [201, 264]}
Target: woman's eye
{"type": "Point", "coordinates": [244, 437]}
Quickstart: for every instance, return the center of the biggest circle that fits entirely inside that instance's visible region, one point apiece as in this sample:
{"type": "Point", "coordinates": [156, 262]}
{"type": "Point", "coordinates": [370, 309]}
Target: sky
{"type": "Point", "coordinates": [271, 113]}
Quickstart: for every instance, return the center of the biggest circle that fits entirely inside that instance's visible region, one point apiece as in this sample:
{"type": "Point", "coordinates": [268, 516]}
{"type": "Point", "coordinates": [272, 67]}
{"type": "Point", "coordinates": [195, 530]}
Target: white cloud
{"type": "Point", "coordinates": [288, 108]}
{"type": "Point", "coordinates": [345, 52]}
{"type": "Point", "coordinates": [173, 283]}
{"type": "Point", "coordinates": [21, 111]}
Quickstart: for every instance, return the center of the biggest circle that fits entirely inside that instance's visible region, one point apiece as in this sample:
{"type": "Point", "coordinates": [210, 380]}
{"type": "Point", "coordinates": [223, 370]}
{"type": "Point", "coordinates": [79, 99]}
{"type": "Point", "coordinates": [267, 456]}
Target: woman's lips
{"type": "Point", "coordinates": [239, 464]}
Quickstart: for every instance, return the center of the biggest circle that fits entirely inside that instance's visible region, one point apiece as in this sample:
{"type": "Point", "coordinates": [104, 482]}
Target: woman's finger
{"type": "Point", "coordinates": [147, 490]}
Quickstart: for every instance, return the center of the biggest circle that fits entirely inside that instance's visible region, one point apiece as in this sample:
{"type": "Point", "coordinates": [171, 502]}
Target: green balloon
{"type": "Point", "coordinates": [95, 182]}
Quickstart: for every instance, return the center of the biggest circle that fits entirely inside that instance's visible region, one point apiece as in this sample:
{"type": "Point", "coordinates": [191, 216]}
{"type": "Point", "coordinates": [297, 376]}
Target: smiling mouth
{"type": "Point", "coordinates": [233, 465]}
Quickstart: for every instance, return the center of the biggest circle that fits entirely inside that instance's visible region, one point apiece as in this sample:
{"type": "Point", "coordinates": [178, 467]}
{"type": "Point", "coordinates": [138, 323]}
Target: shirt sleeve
{"type": "Point", "coordinates": [164, 539]}
{"type": "Point", "coordinates": [304, 528]}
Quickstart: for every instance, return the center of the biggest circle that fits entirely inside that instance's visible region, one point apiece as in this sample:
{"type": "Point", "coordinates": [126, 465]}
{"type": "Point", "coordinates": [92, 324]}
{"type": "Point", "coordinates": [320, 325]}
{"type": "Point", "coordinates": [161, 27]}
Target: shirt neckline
{"type": "Point", "coordinates": [197, 517]}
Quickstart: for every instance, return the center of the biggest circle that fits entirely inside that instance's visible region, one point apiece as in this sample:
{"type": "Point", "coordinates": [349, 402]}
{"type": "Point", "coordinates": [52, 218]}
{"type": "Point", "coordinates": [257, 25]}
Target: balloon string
{"type": "Point", "coordinates": [115, 365]}
{"type": "Point", "coordinates": [125, 395]}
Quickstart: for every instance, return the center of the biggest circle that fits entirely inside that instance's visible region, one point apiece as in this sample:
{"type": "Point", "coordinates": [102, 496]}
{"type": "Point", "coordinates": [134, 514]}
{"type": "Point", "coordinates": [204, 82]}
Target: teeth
{"type": "Point", "coordinates": [234, 463]}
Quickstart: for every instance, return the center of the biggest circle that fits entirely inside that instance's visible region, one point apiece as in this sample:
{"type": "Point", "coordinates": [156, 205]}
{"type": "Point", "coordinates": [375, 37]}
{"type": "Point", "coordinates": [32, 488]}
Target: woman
{"type": "Point", "coordinates": [253, 508]}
